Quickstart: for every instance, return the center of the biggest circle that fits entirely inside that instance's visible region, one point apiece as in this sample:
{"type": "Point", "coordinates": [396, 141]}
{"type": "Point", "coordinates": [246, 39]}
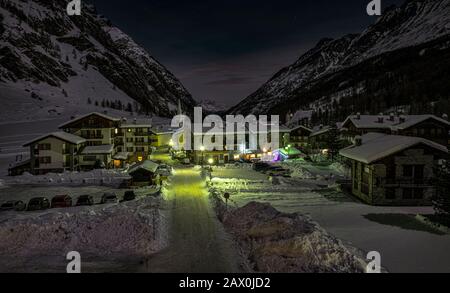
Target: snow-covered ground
{"type": "Point", "coordinates": [402, 250]}
{"type": "Point", "coordinates": [115, 237]}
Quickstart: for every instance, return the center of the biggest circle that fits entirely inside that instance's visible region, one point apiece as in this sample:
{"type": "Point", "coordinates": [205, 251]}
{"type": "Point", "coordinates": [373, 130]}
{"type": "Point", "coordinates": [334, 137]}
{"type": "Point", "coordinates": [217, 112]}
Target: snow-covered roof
{"type": "Point", "coordinates": [301, 126]}
{"type": "Point", "coordinates": [121, 156]}
{"type": "Point", "coordinates": [164, 129]}
{"type": "Point", "coordinates": [391, 122]}
{"type": "Point", "coordinates": [146, 165]}
{"type": "Point", "coordinates": [138, 123]}
{"type": "Point", "coordinates": [64, 136]}
{"type": "Point", "coordinates": [98, 150]}
{"type": "Point", "coordinates": [319, 131]}
{"type": "Point", "coordinates": [376, 146]}
{"type": "Point", "coordinates": [87, 115]}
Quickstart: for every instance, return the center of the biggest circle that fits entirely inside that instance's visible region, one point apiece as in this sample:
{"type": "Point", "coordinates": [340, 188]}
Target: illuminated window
{"type": "Point", "coordinates": [140, 158]}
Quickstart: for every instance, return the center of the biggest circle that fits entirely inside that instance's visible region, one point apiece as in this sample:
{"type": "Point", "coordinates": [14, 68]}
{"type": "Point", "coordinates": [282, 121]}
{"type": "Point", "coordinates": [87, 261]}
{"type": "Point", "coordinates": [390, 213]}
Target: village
{"type": "Point", "coordinates": [370, 171]}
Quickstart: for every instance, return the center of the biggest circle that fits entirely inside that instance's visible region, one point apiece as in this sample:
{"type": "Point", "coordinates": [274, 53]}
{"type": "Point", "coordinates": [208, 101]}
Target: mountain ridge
{"type": "Point", "coordinates": [414, 23]}
{"type": "Point", "coordinates": [66, 60]}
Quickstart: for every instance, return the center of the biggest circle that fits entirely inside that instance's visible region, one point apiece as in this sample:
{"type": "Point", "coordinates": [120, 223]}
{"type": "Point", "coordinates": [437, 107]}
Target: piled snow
{"type": "Point", "coordinates": [135, 229]}
{"type": "Point", "coordinates": [95, 177]}
{"type": "Point", "coordinates": [297, 169]}
{"type": "Point", "coordinates": [275, 242]}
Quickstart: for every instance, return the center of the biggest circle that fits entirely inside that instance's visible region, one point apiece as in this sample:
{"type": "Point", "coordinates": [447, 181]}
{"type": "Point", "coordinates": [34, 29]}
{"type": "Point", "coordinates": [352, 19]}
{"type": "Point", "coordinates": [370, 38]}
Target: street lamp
{"type": "Point", "coordinates": [202, 149]}
{"type": "Point", "coordinates": [210, 161]}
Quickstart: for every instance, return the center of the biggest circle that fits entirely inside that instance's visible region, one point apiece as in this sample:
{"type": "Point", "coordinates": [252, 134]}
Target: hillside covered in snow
{"type": "Point", "coordinates": [55, 64]}
{"type": "Point", "coordinates": [402, 59]}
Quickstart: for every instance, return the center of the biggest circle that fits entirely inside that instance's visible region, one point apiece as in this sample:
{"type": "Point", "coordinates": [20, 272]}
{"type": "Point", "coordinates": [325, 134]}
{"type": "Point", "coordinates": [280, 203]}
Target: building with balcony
{"type": "Point", "coordinates": [96, 128]}
{"type": "Point", "coordinates": [427, 126]}
{"type": "Point", "coordinates": [135, 140]}
{"type": "Point", "coordinates": [393, 170]}
{"type": "Point", "coordinates": [55, 152]}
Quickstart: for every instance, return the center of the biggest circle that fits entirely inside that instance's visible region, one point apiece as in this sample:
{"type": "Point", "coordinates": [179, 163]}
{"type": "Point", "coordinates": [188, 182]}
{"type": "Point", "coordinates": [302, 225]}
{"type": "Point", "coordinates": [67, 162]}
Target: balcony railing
{"type": "Point", "coordinates": [141, 143]}
{"type": "Point", "coordinates": [92, 136]}
{"type": "Point", "coordinates": [390, 182]}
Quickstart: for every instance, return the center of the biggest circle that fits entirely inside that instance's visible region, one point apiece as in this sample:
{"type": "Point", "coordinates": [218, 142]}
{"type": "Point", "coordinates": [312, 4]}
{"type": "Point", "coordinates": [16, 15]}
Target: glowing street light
{"type": "Point", "coordinates": [210, 161]}
{"type": "Point", "coordinates": [202, 149]}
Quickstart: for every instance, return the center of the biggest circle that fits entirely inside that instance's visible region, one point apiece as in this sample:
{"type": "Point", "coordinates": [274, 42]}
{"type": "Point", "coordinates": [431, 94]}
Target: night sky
{"type": "Point", "coordinates": [225, 50]}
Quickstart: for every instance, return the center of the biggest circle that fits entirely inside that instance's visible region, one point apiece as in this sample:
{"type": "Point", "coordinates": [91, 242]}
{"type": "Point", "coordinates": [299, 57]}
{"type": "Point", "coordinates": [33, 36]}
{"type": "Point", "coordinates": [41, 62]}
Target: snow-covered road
{"type": "Point", "coordinates": [198, 243]}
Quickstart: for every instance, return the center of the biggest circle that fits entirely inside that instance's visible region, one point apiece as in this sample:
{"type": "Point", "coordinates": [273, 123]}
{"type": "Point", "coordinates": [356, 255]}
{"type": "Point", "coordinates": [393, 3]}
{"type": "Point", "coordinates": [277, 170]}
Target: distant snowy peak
{"type": "Point", "coordinates": [211, 106]}
{"type": "Point", "coordinates": [415, 22]}
{"type": "Point", "coordinates": [45, 51]}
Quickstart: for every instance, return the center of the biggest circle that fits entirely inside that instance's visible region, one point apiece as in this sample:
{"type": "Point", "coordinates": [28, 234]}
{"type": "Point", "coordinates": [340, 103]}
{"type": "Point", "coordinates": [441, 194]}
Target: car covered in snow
{"type": "Point", "coordinates": [61, 201]}
{"type": "Point", "coordinates": [38, 204]}
{"type": "Point", "coordinates": [261, 166]}
{"type": "Point", "coordinates": [277, 171]}
{"type": "Point", "coordinates": [13, 205]}
{"type": "Point", "coordinates": [109, 198]}
{"type": "Point", "coordinates": [85, 200]}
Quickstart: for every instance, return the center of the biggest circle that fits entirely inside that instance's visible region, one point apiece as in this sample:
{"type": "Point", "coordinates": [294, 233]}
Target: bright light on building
{"type": "Point", "coordinates": [210, 161]}
{"type": "Point", "coordinates": [116, 131]}
{"type": "Point", "coordinates": [171, 143]}
{"type": "Point", "coordinates": [140, 158]}
{"type": "Point", "coordinates": [202, 148]}
{"type": "Point", "coordinates": [237, 157]}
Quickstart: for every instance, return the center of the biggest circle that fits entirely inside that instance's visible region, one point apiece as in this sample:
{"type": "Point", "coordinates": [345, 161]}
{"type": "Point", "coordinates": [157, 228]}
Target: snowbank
{"type": "Point", "coordinates": [132, 230]}
{"type": "Point", "coordinates": [95, 177]}
{"type": "Point", "coordinates": [275, 242]}
{"type": "Point", "coordinates": [297, 169]}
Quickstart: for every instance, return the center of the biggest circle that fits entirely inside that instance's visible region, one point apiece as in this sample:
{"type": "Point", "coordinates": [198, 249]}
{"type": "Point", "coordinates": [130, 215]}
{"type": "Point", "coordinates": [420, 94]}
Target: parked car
{"type": "Point", "coordinates": [61, 201]}
{"type": "Point", "coordinates": [38, 203]}
{"type": "Point", "coordinates": [13, 205]}
{"type": "Point", "coordinates": [109, 198]}
{"type": "Point", "coordinates": [85, 200]}
{"type": "Point", "coordinates": [261, 166]}
{"type": "Point", "coordinates": [129, 196]}
{"type": "Point", "coordinates": [277, 171]}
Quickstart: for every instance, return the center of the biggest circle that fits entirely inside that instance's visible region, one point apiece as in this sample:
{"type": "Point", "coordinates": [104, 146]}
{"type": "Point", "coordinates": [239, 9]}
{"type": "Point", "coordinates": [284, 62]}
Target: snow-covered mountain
{"type": "Point", "coordinates": [418, 30]}
{"type": "Point", "coordinates": [52, 63]}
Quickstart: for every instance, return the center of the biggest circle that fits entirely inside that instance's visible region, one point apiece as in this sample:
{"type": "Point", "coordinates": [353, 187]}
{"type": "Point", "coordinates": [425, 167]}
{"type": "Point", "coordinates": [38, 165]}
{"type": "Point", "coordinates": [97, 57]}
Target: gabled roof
{"type": "Point", "coordinates": [372, 121]}
{"type": "Point", "coordinates": [61, 135]}
{"type": "Point", "coordinates": [376, 146]}
{"type": "Point", "coordinates": [146, 165]}
{"type": "Point", "coordinates": [87, 115]}
{"type": "Point", "coordinates": [301, 126]}
{"type": "Point", "coordinates": [98, 150]}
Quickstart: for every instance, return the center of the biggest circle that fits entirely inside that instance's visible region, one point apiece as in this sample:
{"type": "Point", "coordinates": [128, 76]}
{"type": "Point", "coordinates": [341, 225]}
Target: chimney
{"type": "Point", "coordinates": [358, 116]}
{"type": "Point", "coordinates": [381, 118]}
{"type": "Point", "coordinates": [445, 117]}
{"type": "Point", "coordinates": [358, 141]}
{"type": "Point", "coordinates": [392, 117]}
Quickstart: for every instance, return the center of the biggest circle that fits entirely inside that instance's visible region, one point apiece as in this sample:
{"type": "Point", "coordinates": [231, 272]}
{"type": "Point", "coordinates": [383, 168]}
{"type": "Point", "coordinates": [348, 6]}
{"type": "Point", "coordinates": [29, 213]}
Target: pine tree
{"type": "Point", "coordinates": [333, 142]}
{"type": "Point", "coordinates": [89, 101]}
{"type": "Point", "coordinates": [129, 108]}
{"type": "Point", "coordinates": [441, 199]}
